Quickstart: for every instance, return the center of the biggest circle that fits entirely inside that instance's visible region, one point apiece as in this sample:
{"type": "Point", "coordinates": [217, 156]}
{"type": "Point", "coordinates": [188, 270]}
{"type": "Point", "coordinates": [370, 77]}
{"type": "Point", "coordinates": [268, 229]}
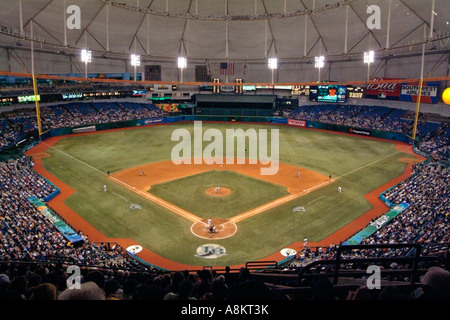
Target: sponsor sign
{"type": "Point", "coordinates": [358, 131]}
{"type": "Point", "coordinates": [298, 123]}
{"type": "Point", "coordinates": [210, 251]}
{"type": "Point", "coordinates": [388, 91]}
{"type": "Point", "coordinates": [429, 94]}
{"type": "Point", "coordinates": [152, 121]}
{"type": "Point", "coordinates": [62, 227]}
{"type": "Point", "coordinates": [84, 129]}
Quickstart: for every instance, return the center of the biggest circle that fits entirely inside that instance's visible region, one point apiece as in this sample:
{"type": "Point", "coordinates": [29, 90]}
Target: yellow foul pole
{"type": "Point", "coordinates": [419, 94]}
{"type": "Point", "coordinates": [36, 99]}
{"type": "Point", "coordinates": [416, 117]}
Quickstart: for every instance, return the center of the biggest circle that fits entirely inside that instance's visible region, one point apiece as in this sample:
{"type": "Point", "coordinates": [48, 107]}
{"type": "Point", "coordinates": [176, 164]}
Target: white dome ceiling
{"type": "Point", "coordinates": [220, 29]}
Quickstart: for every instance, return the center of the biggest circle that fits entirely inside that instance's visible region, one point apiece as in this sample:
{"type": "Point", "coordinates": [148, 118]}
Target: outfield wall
{"type": "Point", "coordinates": [230, 118]}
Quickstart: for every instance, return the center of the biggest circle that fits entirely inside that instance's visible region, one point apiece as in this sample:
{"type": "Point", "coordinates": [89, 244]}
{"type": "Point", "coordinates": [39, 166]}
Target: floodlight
{"type": "Point", "coordinates": [182, 62]}
{"type": "Point", "coordinates": [86, 56]}
{"type": "Point", "coordinates": [273, 63]}
{"type": "Point", "coordinates": [369, 57]}
{"type": "Point", "coordinates": [319, 62]}
{"type": "Point", "coordinates": [135, 60]}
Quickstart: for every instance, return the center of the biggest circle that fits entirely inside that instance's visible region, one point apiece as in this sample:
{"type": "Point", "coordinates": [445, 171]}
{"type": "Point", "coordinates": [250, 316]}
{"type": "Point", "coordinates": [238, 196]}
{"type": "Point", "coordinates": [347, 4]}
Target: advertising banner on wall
{"type": "Point", "coordinates": [410, 92]}
{"type": "Point", "coordinates": [298, 123]}
{"type": "Point", "coordinates": [385, 91]}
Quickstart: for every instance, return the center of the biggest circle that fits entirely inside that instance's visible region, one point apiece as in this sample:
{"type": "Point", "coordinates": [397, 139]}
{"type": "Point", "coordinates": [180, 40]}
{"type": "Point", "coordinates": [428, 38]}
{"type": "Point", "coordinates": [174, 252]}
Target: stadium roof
{"type": "Point", "coordinates": [252, 30]}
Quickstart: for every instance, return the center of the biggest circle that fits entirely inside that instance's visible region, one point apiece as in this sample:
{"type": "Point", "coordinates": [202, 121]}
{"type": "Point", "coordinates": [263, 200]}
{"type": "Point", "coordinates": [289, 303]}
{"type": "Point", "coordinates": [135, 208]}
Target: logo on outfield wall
{"type": "Point", "coordinates": [210, 251]}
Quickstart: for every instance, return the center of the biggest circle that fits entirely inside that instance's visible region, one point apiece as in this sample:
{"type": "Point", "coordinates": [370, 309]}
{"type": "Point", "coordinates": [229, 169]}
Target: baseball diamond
{"type": "Point", "coordinates": [170, 228]}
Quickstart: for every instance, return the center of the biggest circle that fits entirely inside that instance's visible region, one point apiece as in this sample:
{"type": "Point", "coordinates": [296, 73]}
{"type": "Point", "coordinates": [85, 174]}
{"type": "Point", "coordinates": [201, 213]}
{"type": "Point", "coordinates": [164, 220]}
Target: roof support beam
{"type": "Point", "coordinates": [315, 26]}
{"type": "Point", "coordinates": [37, 13]}
{"type": "Point", "coordinates": [365, 25]}
{"type": "Point", "coordinates": [90, 22]}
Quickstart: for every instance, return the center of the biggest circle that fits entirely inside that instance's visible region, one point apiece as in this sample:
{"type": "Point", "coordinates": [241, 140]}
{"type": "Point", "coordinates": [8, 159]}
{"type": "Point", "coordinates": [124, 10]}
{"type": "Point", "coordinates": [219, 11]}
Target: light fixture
{"type": "Point", "coordinates": [135, 60]}
{"type": "Point", "coordinates": [86, 56]}
{"type": "Point", "coordinates": [319, 62]}
{"type": "Point", "coordinates": [182, 62]}
{"type": "Point", "coordinates": [273, 63]}
{"type": "Point", "coordinates": [369, 57]}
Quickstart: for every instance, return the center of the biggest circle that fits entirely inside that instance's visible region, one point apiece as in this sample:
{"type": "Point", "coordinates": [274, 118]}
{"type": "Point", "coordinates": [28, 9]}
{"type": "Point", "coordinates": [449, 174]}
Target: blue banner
{"type": "Point", "coordinates": [62, 227]}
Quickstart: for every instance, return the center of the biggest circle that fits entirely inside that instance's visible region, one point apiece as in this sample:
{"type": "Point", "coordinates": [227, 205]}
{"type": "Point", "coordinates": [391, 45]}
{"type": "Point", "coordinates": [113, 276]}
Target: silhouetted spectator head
{"type": "Point", "coordinates": [88, 291]}
{"type": "Point", "coordinates": [322, 289]}
{"type": "Point", "coordinates": [44, 291]}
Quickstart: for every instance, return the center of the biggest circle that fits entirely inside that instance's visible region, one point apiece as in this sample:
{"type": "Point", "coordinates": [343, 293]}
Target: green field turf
{"type": "Point", "coordinates": [359, 165]}
{"type": "Point", "coordinates": [246, 193]}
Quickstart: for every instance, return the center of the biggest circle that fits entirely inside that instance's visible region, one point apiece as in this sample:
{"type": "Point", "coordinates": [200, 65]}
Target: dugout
{"type": "Point", "coordinates": [236, 105]}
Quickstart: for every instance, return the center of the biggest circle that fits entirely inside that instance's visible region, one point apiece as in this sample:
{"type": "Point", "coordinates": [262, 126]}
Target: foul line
{"type": "Point", "coordinates": [147, 195]}
{"type": "Point", "coordinates": [373, 162]}
{"type": "Point", "coordinates": [163, 203]}
{"type": "Point", "coordinates": [68, 155]}
{"type": "Point", "coordinates": [120, 196]}
{"type": "Point", "coordinates": [316, 199]}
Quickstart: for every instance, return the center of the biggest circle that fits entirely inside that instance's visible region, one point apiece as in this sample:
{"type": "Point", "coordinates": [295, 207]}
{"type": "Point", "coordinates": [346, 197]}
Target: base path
{"type": "Point", "coordinates": [158, 172]}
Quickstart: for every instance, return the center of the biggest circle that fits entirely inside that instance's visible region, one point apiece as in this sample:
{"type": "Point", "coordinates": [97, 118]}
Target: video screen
{"type": "Point", "coordinates": [330, 93]}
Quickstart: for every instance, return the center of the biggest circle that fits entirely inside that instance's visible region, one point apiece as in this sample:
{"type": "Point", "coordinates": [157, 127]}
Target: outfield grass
{"type": "Point", "coordinates": [246, 193]}
{"type": "Point", "coordinates": [358, 164]}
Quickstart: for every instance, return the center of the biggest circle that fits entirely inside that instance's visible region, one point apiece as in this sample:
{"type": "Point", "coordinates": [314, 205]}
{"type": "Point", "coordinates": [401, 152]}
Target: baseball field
{"type": "Point", "coordinates": [163, 207]}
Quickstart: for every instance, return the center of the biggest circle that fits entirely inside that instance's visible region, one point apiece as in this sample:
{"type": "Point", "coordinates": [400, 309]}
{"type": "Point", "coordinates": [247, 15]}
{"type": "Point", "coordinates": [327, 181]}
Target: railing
{"type": "Point", "coordinates": [337, 263]}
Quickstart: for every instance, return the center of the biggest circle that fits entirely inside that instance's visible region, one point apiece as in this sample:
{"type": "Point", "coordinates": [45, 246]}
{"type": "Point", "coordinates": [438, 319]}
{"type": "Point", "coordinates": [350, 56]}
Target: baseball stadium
{"type": "Point", "coordinates": [224, 150]}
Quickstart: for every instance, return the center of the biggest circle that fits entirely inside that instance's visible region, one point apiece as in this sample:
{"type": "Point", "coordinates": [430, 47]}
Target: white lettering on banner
{"type": "Point", "coordinates": [298, 123]}
{"type": "Point", "coordinates": [380, 222]}
{"type": "Point", "coordinates": [429, 91]}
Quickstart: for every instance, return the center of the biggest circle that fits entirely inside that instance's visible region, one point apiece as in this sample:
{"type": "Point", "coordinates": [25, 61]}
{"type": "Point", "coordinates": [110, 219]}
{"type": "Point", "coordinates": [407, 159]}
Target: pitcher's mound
{"type": "Point", "coordinates": [218, 191]}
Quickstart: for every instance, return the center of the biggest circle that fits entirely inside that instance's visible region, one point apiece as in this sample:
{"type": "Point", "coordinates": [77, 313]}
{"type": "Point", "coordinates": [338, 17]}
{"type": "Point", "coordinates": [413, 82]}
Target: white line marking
{"type": "Point", "coordinates": [68, 155]}
{"type": "Point", "coordinates": [373, 162]}
{"type": "Point", "coordinates": [316, 199]}
{"type": "Point", "coordinates": [119, 196]}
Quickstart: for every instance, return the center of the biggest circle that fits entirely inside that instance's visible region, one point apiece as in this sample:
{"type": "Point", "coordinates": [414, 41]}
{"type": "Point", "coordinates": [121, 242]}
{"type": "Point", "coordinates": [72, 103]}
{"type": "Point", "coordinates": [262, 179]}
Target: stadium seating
{"type": "Point", "coordinates": [26, 237]}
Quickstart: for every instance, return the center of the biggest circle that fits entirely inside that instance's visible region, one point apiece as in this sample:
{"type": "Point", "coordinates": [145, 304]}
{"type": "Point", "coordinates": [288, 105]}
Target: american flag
{"type": "Point", "coordinates": [226, 68]}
